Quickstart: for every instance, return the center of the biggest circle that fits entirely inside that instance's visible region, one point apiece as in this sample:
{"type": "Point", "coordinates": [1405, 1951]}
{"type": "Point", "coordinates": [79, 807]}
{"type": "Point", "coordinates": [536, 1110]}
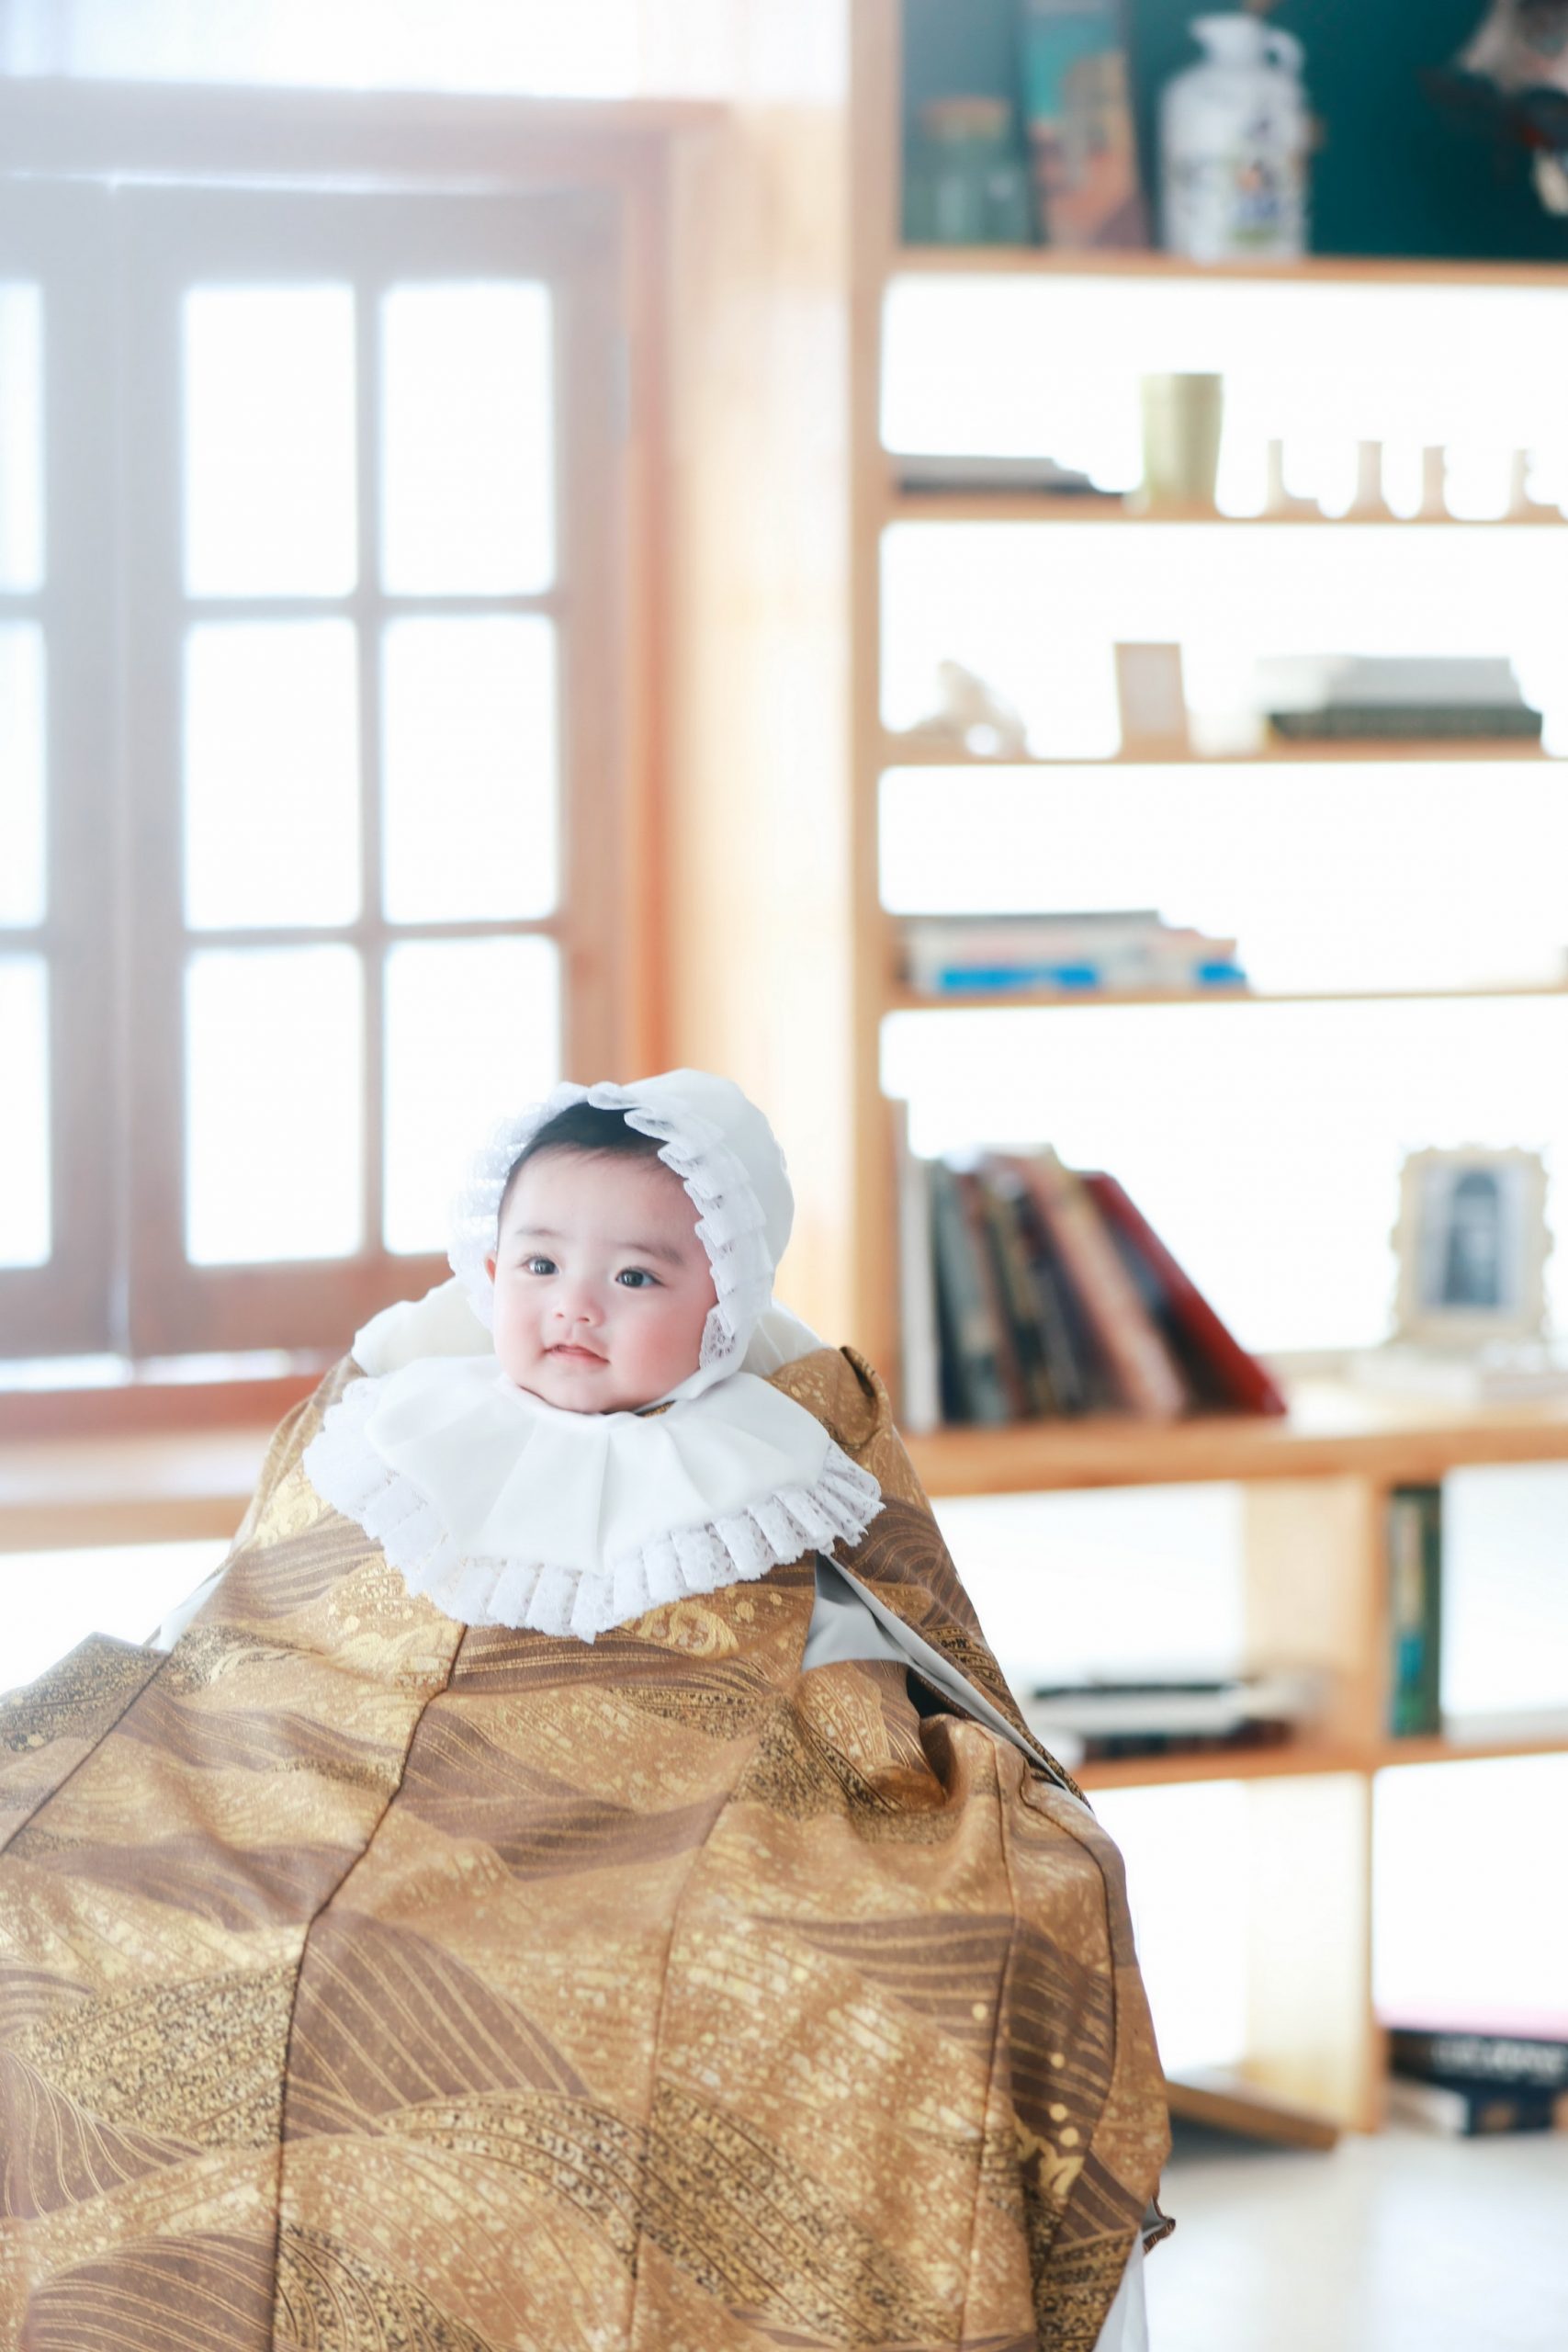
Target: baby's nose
{"type": "Point", "coordinates": [577, 1302]}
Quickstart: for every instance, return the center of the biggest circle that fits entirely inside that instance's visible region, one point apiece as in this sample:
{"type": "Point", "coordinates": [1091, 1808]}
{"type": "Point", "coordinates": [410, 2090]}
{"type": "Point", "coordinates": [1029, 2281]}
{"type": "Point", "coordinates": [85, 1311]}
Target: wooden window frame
{"type": "Point", "coordinates": [66, 1304]}
{"type": "Point", "coordinates": [610, 161]}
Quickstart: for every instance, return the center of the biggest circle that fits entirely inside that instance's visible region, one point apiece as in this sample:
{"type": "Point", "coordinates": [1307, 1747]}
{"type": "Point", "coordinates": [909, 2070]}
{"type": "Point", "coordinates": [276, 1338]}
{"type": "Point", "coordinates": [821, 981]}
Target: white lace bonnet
{"type": "Point", "coordinates": [727, 1156]}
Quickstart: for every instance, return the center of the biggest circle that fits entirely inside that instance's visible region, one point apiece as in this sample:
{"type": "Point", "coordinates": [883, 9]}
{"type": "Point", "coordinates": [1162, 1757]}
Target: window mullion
{"type": "Point", "coordinates": [367, 377]}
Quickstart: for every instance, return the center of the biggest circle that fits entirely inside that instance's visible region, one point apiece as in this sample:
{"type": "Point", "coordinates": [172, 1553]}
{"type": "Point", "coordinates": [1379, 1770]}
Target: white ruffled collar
{"type": "Point", "coordinates": [506, 1510]}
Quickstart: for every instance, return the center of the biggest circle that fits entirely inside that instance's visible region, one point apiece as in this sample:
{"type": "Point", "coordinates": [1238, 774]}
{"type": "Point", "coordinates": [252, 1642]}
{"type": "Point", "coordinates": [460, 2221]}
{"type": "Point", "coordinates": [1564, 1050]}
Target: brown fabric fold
{"type": "Point", "coordinates": [370, 1981]}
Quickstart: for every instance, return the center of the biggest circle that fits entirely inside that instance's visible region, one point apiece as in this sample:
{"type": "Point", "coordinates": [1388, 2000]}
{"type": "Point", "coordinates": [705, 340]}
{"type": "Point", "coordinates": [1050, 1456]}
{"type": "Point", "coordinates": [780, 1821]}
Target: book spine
{"type": "Point", "coordinates": [1021, 1300]}
{"type": "Point", "coordinates": [919, 1342]}
{"type": "Point", "coordinates": [1415, 1584]}
{"type": "Point", "coordinates": [1152, 1385]}
{"type": "Point", "coordinates": [1472, 2110]}
{"type": "Point", "coordinates": [1063, 1358]}
{"type": "Point", "coordinates": [1219, 1365]}
{"type": "Point", "coordinates": [1004, 1346]}
{"type": "Point", "coordinates": [1408, 723]}
{"type": "Point", "coordinates": [1490, 2058]}
{"type": "Point", "coordinates": [972, 1383]}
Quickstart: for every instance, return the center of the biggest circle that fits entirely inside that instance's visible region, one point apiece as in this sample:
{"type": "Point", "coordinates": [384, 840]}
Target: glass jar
{"type": "Point", "coordinates": [967, 182]}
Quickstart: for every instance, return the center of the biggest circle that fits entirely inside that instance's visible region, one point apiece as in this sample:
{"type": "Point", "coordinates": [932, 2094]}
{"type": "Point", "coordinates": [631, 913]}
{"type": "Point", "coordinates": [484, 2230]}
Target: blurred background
{"type": "Point", "coordinates": [997, 569]}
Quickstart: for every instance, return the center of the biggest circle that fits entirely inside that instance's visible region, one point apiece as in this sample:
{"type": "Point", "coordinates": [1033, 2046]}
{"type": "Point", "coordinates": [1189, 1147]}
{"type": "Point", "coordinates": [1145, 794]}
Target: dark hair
{"type": "Point", "coordinates": [580, 1127]}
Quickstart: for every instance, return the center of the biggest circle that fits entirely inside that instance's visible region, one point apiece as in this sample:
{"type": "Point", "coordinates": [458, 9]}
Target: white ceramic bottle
{"type": "Point", "coordinates": [1233, 138]}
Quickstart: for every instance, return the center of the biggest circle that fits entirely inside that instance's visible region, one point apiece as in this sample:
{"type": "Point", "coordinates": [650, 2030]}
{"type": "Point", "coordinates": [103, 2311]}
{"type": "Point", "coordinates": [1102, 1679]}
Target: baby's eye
{"type": "Point", "coordinates": [638, 1278]}
{"type": "Point", "coordinates": [538, 1266]}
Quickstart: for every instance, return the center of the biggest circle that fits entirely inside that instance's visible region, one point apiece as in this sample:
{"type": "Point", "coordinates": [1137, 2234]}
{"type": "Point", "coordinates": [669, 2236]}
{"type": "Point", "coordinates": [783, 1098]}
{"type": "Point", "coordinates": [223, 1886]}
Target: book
{"type": "Point", "coordinates": [919, 1334]}
{"type": "Point", "coordinates": [1069, 1359]}
{"type": "Point", "coordinates": [1221, 1372]}
{"type": "Point", "coordinates": [1509, 2060]}
{"type": "Point", "coordinates": [1309, 682]}
{"type": "Point", "coordinates": [944, 953]}
{"type": "Point", "coordinates": [1004, 1343]}
{"type": "Point", "coordinates": [1150, 1384]}
{"type": "Point", "coordinates": [930, 470]}
{"type": "Point", "coordinates": [1407, 723]}
{"type": "Point", "coordinates": [1414, 1608]}
{"type": "Point", "coordinates": [1079, 1721]}
{"type": "Point", "coordinates": [972, 1388]}
{"type": "Point", "coordinates": [1019, 1298]}
{"type": "Point", "coordinates": [1472, 2110]}
{"type": "Point", "coordinates": [1078, 105]}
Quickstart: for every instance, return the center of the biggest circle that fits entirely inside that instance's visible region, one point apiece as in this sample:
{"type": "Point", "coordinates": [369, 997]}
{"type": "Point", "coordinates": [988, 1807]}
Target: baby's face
{"type": "Point", "coordinates": [601, 1286]}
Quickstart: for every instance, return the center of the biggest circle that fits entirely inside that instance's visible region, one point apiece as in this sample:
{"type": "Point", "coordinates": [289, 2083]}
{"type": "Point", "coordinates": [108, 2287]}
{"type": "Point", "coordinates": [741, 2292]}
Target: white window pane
{"type": "Point", "coordinates": [1469, 1918]}
{"type": "Point", "coordinates": [271, 773]}
{"type": "Point", "coordinates": [24, 1091]}
{"type": "Point", "coordinates": [596, 49]}
{"type": "Point", "coordinates": [469, 735]}
{"type": "Point", "coordinates": [21, 437]}
{"type": "Point", "coordinates": [22, 886]}
{"type": "Point", "coordinates": [275, 1086]}
{"type": "Point", "coordinates": [1506, 1589]}
{"type": "Point", "coordinates": [473, 1031]}
{"type": "Point", "coordinates": [1448, 874]}
{"type": "Point", "coordinates": [467, 502]}
{"type": "Point", "coordinates": [52, 1601]}
{"type": "Point", "coordinates": [269, 441]}
{"type": "Point", "coordinates": [1262, 1142]}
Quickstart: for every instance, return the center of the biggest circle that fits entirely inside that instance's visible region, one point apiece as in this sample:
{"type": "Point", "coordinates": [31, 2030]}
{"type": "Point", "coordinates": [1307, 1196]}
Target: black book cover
{"type": "Point", "coordinates": [1514, 2061]}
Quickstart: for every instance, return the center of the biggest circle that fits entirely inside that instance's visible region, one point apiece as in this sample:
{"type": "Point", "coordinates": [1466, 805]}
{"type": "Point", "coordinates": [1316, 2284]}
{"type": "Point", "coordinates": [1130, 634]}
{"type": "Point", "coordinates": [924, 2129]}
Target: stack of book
{"type": "Point", "coordinates": [1471, 2081]}
{"type": "Point", "coordinates": [1417, 699]}
{"type": "Point", "coordinates": [1086, 1722]}
{"type": "Point", "coordinates": [1031, 1291]}
{"type": "Point", "coordinates": [1077, 954]}
{"type": "Point", "coordinates": [1030, 477]}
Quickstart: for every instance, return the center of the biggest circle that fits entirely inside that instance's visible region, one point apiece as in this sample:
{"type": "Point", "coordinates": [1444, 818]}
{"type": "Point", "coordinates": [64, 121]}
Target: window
{"type": "Point", "coordinates": [309, 745]}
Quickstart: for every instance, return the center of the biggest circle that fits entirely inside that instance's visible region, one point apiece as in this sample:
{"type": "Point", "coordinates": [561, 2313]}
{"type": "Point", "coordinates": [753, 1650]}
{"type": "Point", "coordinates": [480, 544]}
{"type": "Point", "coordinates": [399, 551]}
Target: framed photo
{"type": "Point", "coordinates": [1151, 701]}
{"type": "Point", "coordinates": [1472, 1245]}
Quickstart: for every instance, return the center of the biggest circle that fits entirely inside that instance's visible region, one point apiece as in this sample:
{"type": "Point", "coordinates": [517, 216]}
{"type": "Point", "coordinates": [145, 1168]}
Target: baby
{"type": "Point", "coordinates": [602, 1284]}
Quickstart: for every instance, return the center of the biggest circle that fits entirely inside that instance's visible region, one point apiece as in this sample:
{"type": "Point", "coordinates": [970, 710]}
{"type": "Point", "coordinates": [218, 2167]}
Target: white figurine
{"type": "Point", "coordinates": [971, 717]}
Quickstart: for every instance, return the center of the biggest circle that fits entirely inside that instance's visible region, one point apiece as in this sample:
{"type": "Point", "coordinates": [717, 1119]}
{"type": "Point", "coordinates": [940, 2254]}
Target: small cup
{"type": "Point", "coordinates": [1182, 420]}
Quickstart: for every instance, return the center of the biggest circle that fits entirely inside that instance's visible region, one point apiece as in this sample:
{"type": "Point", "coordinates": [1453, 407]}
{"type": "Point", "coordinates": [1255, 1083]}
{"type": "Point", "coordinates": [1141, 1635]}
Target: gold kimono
{"type": "Point", "coordinates": [369, 1980]}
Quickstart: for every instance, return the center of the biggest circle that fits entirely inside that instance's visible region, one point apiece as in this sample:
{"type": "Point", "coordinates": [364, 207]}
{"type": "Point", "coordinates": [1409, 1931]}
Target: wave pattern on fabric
{"type": "Point", "coordinates": [370, 1982]}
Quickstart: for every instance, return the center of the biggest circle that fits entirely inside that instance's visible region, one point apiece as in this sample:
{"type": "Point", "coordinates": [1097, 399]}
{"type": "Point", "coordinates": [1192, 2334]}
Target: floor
{"type": "Point", "coordinates": [1409, 2241]}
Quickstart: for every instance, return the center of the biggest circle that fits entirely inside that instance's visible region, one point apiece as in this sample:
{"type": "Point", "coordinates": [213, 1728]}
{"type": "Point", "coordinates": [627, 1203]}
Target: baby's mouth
{"type": "Point", "coordinates": [576, 1354]}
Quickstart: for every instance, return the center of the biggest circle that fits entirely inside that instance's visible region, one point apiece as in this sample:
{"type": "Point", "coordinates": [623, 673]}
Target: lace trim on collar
{"type": "Point", "coordinates": [347, 1472]}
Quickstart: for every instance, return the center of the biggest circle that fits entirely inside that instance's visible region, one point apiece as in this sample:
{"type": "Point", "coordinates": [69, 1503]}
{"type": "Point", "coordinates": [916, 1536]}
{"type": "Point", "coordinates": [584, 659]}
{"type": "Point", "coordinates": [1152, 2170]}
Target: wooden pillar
{"type": "Point", "coordinates": [756, 854]}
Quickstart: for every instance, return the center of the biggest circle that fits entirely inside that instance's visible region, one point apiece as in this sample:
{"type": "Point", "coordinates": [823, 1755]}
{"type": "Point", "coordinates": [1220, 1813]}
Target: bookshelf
{"type": "Point", "coordinates": [783, 963]}
{"type": "Point", "coordinates": [1317, 1485]}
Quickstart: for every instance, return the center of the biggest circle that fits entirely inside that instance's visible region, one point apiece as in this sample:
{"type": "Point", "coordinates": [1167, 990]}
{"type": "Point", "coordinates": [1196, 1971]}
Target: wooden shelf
{"type": "Point", "coordinates": [1304, 1758]}
{"type": "Point", "coordinates": [1313, 269]}
{"type": "Point", "coordinates": [1333, 1430]}
{"type": "Point", "coordinates": [947, 506]}
{"type": "Point", "coordinates": [902, 999]}
{"type": "Point", "coordinates": [1362, 752]}
{"type": "Point", "coordinates": [60, 1493]}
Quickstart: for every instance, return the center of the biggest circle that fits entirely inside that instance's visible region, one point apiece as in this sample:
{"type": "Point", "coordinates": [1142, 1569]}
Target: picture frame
{"type": "Point", "coordinates": [1471, 1242]}
{"type": "Point", "coordinates": [1151, 701]}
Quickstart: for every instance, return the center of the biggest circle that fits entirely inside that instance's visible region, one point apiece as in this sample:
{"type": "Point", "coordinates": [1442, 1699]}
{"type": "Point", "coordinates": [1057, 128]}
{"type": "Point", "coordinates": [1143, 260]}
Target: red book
{"type": "Point", "coordinates": [1243, 1381]}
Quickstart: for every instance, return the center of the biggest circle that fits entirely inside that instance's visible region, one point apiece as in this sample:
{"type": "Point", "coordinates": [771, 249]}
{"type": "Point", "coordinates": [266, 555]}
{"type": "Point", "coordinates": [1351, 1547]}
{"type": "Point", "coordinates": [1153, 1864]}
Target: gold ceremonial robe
{"type": "Point", "coordinates": [367, 1980]}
